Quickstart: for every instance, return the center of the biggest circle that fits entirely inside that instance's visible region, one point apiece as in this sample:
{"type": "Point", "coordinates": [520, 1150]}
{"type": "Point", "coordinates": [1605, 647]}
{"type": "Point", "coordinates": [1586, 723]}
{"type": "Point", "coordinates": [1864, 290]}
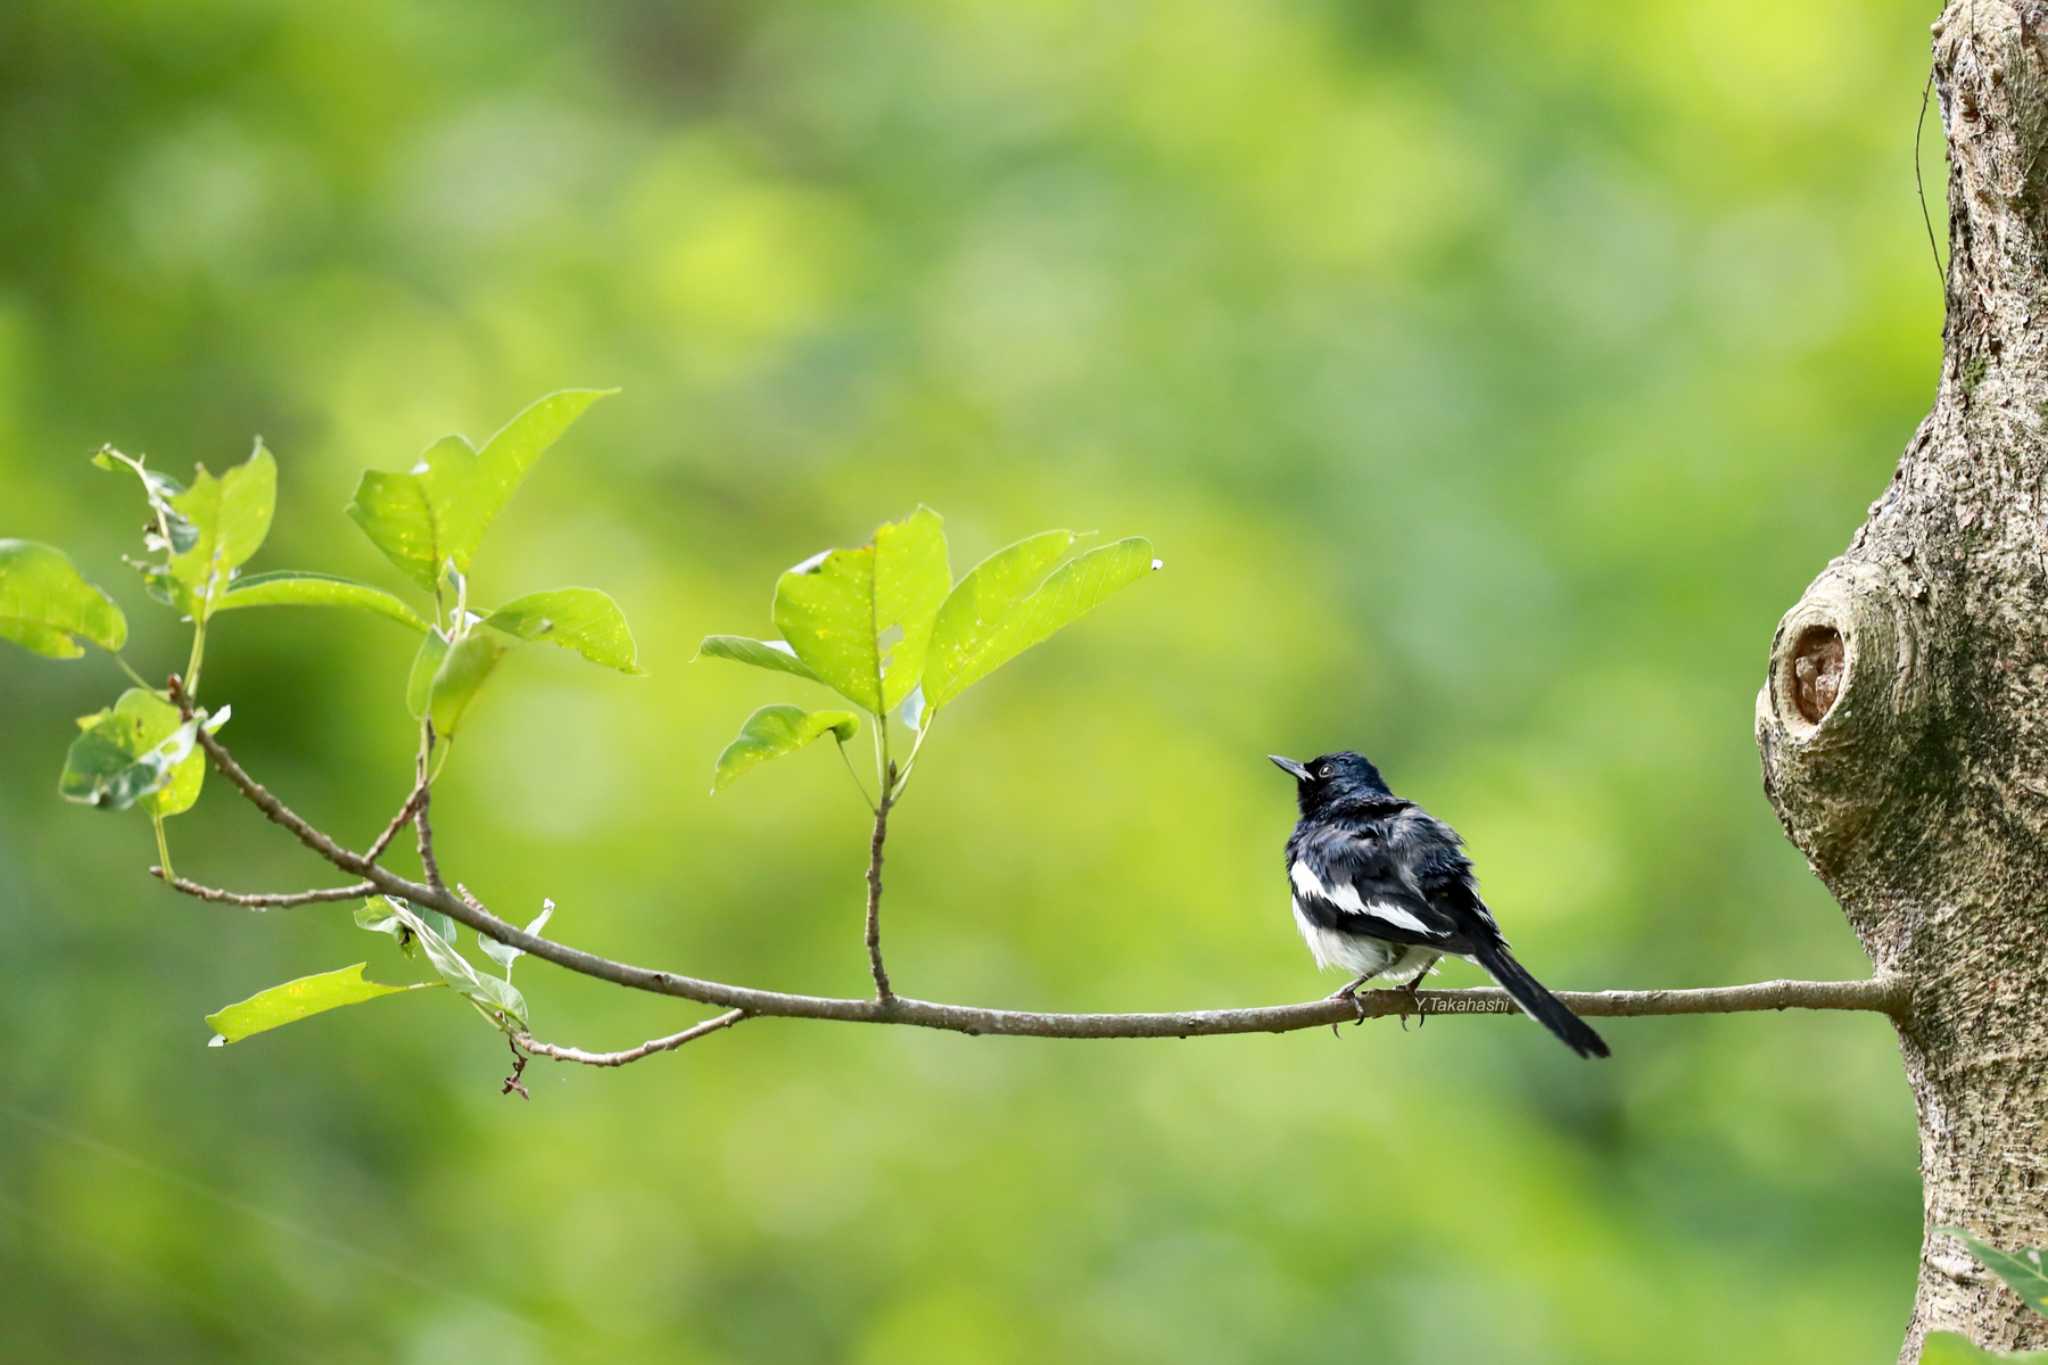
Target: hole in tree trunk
{"type": "Point", "coordinates": [1816, 671]}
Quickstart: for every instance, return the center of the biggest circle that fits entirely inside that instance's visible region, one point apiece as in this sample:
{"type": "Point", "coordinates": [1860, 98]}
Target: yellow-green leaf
{"type": "Point", "coordinates": [995, 613]}
{"type": "Point", "coordinates": [293, 588]}
{"type": "Point", "coordinates": [300, 999]}
{"type": "Point", "coordinates": [139, 750]}
{"type": "Point", "coordinates": [775, 655]}
{"type": "Point", "coordinates": [860, 619]}
{"type": "Point", "coordinates": [230, 516]}
{"type": "Point", "coordinates": [582, 619]}
{"type": "Point", "coordinates": [912, 578]}
{"type": "Point", "coordinates": [469, 664]}
{"type": "Point", "coordinates": [419, 683]}
{"type": "Point", "coordinates": [437, 512]}
{"type": "Point", "coordinates": [774, 731]}
{"type": "Point", "coordinates": [47, 608]}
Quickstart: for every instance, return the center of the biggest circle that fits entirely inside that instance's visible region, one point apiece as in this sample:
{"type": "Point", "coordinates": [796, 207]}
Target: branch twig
{"type": "Point", "coordinates": [264, 900]}
{"type": "Point", "coordinates": [398, 822]}
{"type": "Point", "coordinates": [631, 1054]}
{"type": "Point", "coordinates": [874, 925]}
{"type": "Point", "coordinates": [1890, 995]}
{"type": "Point", "coordinates": [423, 795]}
{"type": "Point", "coordinates": [273, 809]}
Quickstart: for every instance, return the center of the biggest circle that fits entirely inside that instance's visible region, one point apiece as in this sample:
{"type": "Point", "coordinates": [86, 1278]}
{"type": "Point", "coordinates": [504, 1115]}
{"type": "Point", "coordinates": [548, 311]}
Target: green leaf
{"type": "Point", "coordinates": [489, 992]}
{"type": "Point", "coordinates": [470, 663]}
{"type": "Point", "coordinates": [991, 618]}
{"type": "Point", "coordinates": [860, 619]}
{"type": "Point", "coordinates": [1949, 1348]}
{"type": "Point", "coordinates": [445, 679]}
{"type": "Point", "coordinates": [402, 516]}
{"type": "Point", "coordinates": [912, 578]}
{"type": "Point", "coordinates": [2023, 1270]}
{"type": "Point", "coordinates": [774, 731]}
{"type": "Point", "coordinates": [47, 608]}
{"type": "Point", "coordinates": [437, 512]}
{"type": "Point", "coordinates": [138, 750]}
{"type": "Point", "coordinates": [296, 1000]}
{"type": "Point", "coordinates": [231, 516]}
{"type": "Point", "coordinates": [293, 588]}
{"type": "Point", "coordinates": [174, 533]}
{"type": "Point", "coordinates": [770, 654]}
{"type": "Point", "coordinates": [419, 683]}
{"type": "Point", "coordinates": [582, 619]}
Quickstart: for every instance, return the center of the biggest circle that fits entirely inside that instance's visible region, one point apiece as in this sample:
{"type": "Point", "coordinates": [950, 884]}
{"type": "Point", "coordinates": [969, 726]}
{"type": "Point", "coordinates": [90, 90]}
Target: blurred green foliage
{"type": "Point", "coordinates": [1490, 378]}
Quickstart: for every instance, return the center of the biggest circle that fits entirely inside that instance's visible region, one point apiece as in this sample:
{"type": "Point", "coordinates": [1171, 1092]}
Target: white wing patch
{"type": "Point", "coordinates": [1308, 883]}
{"type": "Point", "coordinates": [1345, 897]}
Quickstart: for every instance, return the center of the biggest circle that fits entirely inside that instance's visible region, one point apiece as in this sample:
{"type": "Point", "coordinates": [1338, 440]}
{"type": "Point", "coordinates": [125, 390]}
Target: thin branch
{"type": "Point", "coordinates": [258, 796]}
{"type": "Point", "coordinates": [874, 924]}
{"type": "Point", "coordinates": [425, 796]}
{"type": "Point", "coordinates": [1889, 995]}
{"type": "Point", "coordinates": [264, 900]}
{"type": "Point", "coordinates": [398, 822]}
{"type": "Point", "coordinates": [631, 1054]}
{"type": "Point", "coordinates": [425, 826]}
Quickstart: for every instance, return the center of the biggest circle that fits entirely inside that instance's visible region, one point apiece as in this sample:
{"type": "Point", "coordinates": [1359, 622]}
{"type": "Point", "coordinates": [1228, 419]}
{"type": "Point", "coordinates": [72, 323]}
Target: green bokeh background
{"type": "Point", "coordinates": [1490, 377]}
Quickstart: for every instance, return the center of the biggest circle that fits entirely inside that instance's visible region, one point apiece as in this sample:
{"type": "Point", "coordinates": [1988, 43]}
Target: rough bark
{"type": "Point", "coordinates": [1904, 722]}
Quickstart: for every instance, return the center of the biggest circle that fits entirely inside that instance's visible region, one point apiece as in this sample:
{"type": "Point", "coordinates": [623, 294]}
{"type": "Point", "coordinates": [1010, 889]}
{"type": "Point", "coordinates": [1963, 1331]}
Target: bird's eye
{"type": "Point", "coordinates": [1327, 770]}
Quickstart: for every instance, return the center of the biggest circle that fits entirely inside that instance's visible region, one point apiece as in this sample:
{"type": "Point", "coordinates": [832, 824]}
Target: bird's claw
{"type": "Point", "coordinates": [1349, 993]}
{"type": "Point", "coordinates": [1415, 1004]}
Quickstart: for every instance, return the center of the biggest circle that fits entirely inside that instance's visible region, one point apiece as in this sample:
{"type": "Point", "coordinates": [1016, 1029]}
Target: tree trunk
{"type": "Point", "coordinates": [1904, 723]}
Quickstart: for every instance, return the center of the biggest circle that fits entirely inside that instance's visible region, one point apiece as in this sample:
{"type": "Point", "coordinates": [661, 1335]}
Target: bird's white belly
{"type": "Point", "coordinates": [1357, 955]}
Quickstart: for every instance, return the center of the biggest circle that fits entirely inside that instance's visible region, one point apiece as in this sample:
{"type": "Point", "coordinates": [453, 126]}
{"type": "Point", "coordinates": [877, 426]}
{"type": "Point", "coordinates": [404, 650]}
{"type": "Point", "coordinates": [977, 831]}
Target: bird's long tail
{"type": "Point", "coordinates": [1538, 1003]}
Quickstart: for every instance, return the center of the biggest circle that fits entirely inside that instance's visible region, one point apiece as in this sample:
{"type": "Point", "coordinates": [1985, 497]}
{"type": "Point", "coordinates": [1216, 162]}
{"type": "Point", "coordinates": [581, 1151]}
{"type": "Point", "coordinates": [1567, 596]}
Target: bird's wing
{"type": "Point", "coordinates": [1345, 879]}
{"type": "Point", "coordinates": [1431, 858]}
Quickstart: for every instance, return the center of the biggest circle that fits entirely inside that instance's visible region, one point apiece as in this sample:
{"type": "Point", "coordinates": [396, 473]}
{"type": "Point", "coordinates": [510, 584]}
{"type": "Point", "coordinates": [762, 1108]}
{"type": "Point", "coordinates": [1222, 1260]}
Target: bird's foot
{"type": "Point", "coordinates": [1413, 991]}
{"type": "Point", "coordinates": [1349, 993]}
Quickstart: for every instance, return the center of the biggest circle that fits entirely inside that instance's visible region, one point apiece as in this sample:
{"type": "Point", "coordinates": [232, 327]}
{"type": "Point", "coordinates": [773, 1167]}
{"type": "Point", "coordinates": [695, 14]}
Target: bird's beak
{"type": "Point", "coordinates": [1290, 767]}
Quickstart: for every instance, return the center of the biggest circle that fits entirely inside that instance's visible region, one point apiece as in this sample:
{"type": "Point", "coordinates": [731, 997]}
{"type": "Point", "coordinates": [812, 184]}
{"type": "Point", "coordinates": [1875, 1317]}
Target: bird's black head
{"type": "Point", "coordinates": [1334, 778]}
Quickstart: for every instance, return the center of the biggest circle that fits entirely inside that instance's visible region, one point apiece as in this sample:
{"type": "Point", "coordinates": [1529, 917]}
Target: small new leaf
{"type": "Point", "coordinates": [300, 999]}
{"type": "Point", "coordinates": [231, 518]}
{"type": "Point", "coordinates": [47, 608]}
{"type": "Point", "coordinates": [504, 954]}
{"type": "Point", "coordinates": [174, 534]}
{"type": "Point", "coordinates": [494, 996]}
{"type": "Point", "coordinates": [774, 731]}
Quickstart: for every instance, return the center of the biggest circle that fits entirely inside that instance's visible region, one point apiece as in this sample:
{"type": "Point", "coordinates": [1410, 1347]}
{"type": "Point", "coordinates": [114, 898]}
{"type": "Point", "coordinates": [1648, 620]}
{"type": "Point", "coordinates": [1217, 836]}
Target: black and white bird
{"type": "Point", "coordinates": [1383, 887]}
